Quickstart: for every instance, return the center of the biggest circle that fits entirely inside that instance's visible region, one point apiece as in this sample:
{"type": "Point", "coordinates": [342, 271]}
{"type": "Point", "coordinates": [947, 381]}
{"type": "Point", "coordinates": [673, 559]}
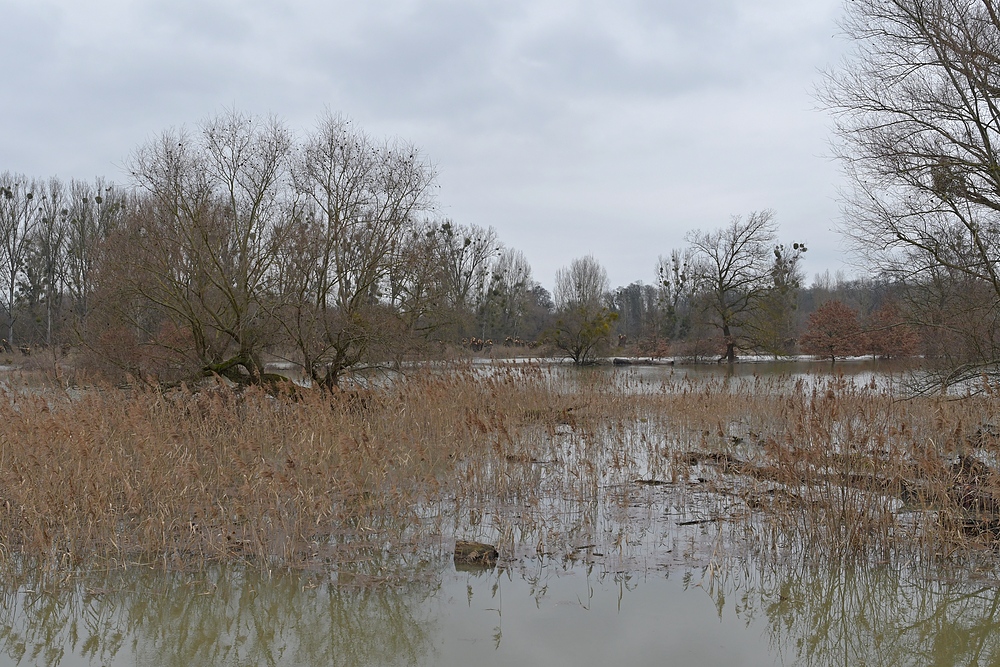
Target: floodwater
{"type": "Point", "coordinates": [547, 616]}
{"type": "Point", "coordinates": [644, 576]}
{"type": "Point", "coordinates": [534, 613]}
{"type": "Point", "coordinates": [885, 374]}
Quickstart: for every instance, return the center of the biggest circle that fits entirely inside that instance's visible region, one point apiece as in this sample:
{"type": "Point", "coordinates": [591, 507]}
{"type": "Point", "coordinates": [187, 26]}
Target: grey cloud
{"type": "Point", "coordinates": [586, 125]}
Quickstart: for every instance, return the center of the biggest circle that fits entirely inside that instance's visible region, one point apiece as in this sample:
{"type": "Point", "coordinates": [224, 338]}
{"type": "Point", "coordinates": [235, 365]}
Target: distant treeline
{"type": "Point", "coordinates": [239, 242]}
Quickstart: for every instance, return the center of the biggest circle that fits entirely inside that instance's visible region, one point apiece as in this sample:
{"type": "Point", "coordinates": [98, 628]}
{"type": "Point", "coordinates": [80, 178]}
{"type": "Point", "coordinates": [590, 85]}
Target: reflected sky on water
{"type": "Point", "coordinates": [529, 612]}
{"type": "Point", "coordinates": [885, 374]}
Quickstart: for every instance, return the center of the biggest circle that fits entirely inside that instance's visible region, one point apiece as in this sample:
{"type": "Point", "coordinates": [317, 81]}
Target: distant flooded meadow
{"type": "Point", "coordinates": [763, 515]}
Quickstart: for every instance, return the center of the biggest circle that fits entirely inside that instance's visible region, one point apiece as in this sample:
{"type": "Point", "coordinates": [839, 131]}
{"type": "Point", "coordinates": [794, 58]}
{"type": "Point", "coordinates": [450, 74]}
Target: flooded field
{"type": "Point", "coordinates": [537, 612]}
{"type": "Point", "coordinates": [642, 515]}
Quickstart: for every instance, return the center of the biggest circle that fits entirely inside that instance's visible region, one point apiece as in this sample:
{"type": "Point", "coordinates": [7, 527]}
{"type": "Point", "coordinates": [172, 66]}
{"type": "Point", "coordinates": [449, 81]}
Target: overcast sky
{"type": "Point", "coordinates": [573, 128]}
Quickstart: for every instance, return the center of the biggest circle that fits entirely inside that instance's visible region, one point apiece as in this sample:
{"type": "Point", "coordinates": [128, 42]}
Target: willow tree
{"type": "Point", "coordinates": [354, 232]}
{"type": "Point", "coordinates": [202, 240]}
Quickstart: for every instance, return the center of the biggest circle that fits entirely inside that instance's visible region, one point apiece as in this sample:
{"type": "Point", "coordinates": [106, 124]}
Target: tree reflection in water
{"type": "Point", "coordinates": [221, 616]}
{"type": "Point", "coordinates": [819, 614]}
{"type": "Point", "coordinates": [811, 615]}
{"type": "Point", "coordinates": [835, 614]}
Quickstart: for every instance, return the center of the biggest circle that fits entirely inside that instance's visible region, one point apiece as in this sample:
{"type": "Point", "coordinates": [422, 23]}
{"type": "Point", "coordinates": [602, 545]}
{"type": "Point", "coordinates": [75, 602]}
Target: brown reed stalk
{"type": "Point", "coordinates": [538, 459]}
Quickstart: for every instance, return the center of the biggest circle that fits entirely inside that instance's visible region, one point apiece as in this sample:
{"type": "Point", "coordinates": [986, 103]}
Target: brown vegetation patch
{"type": "Point", "coordinates": [536, 461]}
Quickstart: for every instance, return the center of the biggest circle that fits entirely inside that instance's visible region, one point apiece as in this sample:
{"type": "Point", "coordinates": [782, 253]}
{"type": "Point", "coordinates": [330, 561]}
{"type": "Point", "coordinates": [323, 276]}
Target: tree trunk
{"type": "Point", "coordinates": [730, 344]}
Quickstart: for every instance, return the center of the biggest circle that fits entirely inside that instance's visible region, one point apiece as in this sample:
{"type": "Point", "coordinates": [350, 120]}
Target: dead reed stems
{"type": "Point", "coordinates": [536, 460]}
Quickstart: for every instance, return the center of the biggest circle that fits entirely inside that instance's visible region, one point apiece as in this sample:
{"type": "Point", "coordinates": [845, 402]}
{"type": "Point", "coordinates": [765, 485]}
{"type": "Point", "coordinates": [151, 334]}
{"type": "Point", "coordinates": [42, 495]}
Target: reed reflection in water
{"type": "Point", "coordinates": [876, 615]}
{"type": "Point", "coordinates": [215, 617]}
{"type": "Point", "coordinates": [532, 612]}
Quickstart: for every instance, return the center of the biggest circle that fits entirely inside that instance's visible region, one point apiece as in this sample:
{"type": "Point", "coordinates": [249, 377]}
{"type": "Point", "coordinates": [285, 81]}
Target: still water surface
{"type": "Point", "coordinates": [530, 613]}
{"type": "Point", "coordinates": [591, 610]}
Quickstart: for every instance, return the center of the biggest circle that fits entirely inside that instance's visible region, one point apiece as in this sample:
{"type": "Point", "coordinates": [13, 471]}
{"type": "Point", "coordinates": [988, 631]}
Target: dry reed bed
{"type": "Point", "coordinates": [540, 461]}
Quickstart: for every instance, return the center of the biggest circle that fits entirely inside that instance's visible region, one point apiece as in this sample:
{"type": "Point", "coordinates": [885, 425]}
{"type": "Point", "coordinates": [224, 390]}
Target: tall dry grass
{"type": "Point", "coordinates": [540, 461]}
{"type": "Point", "coordinates": [838, 469]}
{"type": "Point", "coordinates": [188, 476]}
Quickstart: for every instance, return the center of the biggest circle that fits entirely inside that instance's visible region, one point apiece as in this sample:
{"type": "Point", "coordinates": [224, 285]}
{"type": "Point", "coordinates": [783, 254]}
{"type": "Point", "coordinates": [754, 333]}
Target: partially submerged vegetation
{"type": "Point", "coordinates": [535, 460]}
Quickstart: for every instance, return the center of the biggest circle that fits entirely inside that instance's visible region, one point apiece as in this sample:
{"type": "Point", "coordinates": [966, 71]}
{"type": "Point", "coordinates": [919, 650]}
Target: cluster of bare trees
{"type": "Point", "coordinates": [238, 239]}
{"type": "Point", "coordinates": [51, 234]}
{"type": "Point", "coordinates": [918, 122]}
{"type": "Point", "coordinates": [489, 289]}
{"type": "Point", "coordinates": [237, 243]}
{"type": "Point", "coordinates": [734, 288]}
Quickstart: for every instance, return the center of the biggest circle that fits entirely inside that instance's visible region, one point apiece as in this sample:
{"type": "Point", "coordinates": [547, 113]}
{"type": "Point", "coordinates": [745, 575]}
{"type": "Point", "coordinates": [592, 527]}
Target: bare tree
{"type": "Point", "coordinates": [919, 123]}
{"type": "Point", "coordinates": [203, 242]}
{"type": "Point", "coordinates": [359, 204]}
{"type": "Point", "coordinates": [678, 282]}
{"type": "Point", "coordinates": [48, 252]}
{"type": "Point", "coordinates": [887, 334]}
{"type": "Point", "coordinates": [466, 256]}
{"type": "Point", "coordinates": [583, 283]}
{"type": "Point", "coordinates": [508, 297]}
{"type": "Point", "coordinates": [94, 210]}
{"type": "Point", "coordinates": [732, 268]}
{"type": "Point", "coordinates": [19, 215]}
{"type": "Point", "coordinates": [245, 242]}
{"type": "Point", "coordinates": [639, 309]}
{"type": "Point", "coordinates": [415, 291]}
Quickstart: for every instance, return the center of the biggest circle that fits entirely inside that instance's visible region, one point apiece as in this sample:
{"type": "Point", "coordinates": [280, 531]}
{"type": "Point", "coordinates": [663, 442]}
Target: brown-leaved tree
{"type": "Point", "coordinates": [833, 331]}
